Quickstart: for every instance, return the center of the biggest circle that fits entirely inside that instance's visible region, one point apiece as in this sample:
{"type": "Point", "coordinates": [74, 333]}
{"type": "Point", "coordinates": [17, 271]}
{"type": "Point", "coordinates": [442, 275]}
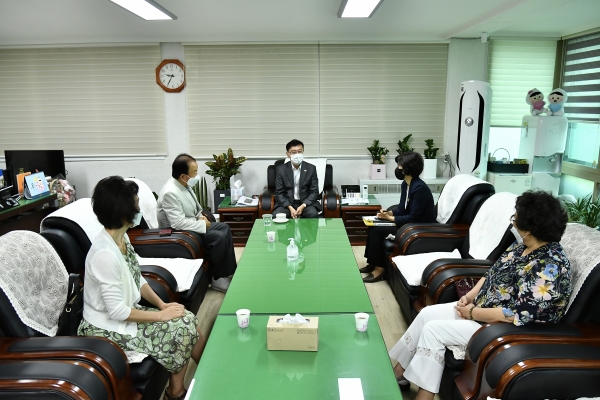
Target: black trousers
{"type": "Point", "coordinates": [374, 252]}
{"type": "Point", "coordinates": [308, 212]}
{"type": "Point", "coordinates": [218, 249]}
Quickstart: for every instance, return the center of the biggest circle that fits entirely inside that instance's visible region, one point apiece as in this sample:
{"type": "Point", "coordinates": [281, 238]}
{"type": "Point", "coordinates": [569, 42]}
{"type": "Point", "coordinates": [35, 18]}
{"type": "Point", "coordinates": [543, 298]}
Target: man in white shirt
{"type": "Point", "coordinates": [179, 209]}
{"type": "Point", "coordinates": [297, 185]}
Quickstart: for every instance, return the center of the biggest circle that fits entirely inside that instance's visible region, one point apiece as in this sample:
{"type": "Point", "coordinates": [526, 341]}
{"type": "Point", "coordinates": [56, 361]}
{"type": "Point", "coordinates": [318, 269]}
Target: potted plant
{"type": "Point", "coordinates": [403, 146]}
{"type": "Point", "coordinates": [222, 169]}
{"type": "Point", "coordinates": [201, 192]}
{"type": "Point", "coordinates": [585, 210]}
{"type": "Point", "coordinates": [430, 161]}
{"type": "Point", "coordinates": [378, 155]}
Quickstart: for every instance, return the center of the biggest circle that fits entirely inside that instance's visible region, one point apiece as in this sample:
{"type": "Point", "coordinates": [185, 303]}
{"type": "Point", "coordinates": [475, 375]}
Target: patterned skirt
{"type": "Point", "coordinates": [168, 342]}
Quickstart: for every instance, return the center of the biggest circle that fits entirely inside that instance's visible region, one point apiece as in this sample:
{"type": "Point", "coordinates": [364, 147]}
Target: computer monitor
{"type": "Point", "coordinates": [51, 162]}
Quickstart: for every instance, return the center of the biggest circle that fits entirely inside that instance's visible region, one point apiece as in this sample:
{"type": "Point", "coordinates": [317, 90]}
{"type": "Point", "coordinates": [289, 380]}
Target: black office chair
{"type": "Point", "coordinates": [65, 234]}
{"type": "Point", "coordinates": [52, 380]}
{"type": "Point", "coordinates": [538, 361]}
{"type": "Point", "coordinates": [415, 240]}
{"type": "Point", "coordinates": [330, 198]}
{"type": "Point", "coordinates": [476, 192]}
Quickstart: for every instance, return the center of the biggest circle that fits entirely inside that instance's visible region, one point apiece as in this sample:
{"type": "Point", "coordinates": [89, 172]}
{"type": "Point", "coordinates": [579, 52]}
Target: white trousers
{"type": "Point", "coordinates": [420, 351]}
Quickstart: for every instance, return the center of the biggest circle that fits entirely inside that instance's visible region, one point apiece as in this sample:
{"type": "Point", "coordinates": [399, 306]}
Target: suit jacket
{"type": "Point", "coordinates": [309, 185]}
{"type": "Point", "coordinates": [420, 207]}
{"type": "Point", "coordinates": [176, 208]}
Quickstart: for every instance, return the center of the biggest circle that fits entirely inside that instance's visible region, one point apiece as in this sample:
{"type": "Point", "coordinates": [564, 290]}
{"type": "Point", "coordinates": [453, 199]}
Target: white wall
{"type": "Point", "coordinates": [467, 59]}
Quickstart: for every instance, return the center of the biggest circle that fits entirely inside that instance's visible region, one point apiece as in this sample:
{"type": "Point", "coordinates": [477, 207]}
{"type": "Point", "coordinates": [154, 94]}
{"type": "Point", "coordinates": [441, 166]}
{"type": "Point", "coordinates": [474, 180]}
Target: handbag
{"type": "Point", "coordinates": [464, 286]}
{"type": "Point", "coordinates": [73, 311]}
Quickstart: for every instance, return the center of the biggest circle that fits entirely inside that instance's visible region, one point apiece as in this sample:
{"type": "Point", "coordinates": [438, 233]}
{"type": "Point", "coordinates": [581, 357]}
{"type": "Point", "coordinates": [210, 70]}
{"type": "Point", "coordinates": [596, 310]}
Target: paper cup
{"type": "Point", "coordinates": [280, 216]}
{"type": "Point", "coordinates": [271, 236]}
{"type": "Point", "coordinates": [267, 218]}
{"type": "Point", "coordinates": [243, 317]}
{"type": "Point", "coordinates": [362, 321]}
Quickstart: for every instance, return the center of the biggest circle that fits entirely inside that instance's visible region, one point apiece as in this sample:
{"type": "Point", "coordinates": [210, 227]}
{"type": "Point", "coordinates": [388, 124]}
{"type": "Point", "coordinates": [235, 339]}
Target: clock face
{"type": "Point", "coordinates": [172, 76]}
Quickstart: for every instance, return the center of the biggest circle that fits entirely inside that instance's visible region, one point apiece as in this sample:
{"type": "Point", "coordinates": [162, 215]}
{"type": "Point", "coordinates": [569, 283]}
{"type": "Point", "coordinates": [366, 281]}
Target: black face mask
{"type": "Point", "coordinates": [399, 174]}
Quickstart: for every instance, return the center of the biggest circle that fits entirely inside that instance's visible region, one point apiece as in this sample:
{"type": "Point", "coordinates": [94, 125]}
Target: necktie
{"type": "Point", "coordinates": [198, 206]}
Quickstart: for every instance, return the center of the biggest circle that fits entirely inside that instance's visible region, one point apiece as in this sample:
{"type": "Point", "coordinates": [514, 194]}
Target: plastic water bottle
{"type": "Point", "coordinates": [292, 250]}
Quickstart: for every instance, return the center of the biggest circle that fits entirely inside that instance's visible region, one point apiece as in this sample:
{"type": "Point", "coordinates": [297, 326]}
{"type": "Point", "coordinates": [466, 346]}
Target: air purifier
{"type": "Point", "coordinates": [473, 128]}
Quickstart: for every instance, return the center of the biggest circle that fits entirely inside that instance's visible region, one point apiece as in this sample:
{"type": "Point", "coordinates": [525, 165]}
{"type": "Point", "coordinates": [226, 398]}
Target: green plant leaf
{"type": "Point", "coordinates": [223, 168]}
{"type": "Point", "coordinates": [584, 210]}
{"type": "Point", "coordinates": [377, 153]}
{"type": "Point", "coordinates": [403, 146]}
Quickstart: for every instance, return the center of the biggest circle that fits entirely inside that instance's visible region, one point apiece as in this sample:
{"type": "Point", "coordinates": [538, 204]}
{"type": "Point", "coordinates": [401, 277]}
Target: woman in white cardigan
{"type": "Point", "coordinates": [114, 286]}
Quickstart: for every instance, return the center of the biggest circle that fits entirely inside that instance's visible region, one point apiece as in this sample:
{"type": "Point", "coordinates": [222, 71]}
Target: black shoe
{"type": "Point", "coordinates": [403, 383]}
{"type": "Point", "coordinates": [366, 270]}
{"type": "Point", "coordinates": [371, 279]}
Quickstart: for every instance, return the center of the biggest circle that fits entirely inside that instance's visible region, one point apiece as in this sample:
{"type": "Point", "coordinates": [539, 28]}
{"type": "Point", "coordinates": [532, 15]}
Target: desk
{"type": "Point", "coordinates": [237, 365]}
{"type": "Point", "coordinates": [352, 217]}
{"type": "Point", "coordinates": [16, 219]}
{"type": "Point", "coordinates": [239, 219]}
{"type": "Point", "coordinates": [326, 280]}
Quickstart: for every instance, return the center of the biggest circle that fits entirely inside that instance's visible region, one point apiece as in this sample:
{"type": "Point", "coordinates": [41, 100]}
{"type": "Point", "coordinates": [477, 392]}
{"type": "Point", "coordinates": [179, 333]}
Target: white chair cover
{"type": "Point", "coordinates": [147, 203]}
{"type": "Point", "coordinates": [82, 214]}
{"type": "Point", "coordinates": [490, 224]}
{"type": "Point", "coordinates": [582, 246]}
{"type": "Point", "coordinates": [34, 279]}
{"type": "Point", "coordinates": [412, 266]}
{"type": "Point", "coordinates": [452, 193]}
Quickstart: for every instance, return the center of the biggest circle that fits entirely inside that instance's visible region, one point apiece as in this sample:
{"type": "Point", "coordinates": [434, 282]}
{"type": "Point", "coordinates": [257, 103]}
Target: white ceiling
{"type": "Point", "coordinates": [35, 22]}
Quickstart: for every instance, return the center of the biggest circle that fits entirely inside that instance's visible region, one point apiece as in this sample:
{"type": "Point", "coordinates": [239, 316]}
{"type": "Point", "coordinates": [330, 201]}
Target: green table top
{"type": "Point", "coordinates": [226, 203]}
{"type": "Point", "coordinates": [25, 203]}
{"type": "Point", "coordinates": [237, 365]}
{"type": "Point", "coordinates": [325, 279]}
{"type": "Point", "coordinates": [372, 202]}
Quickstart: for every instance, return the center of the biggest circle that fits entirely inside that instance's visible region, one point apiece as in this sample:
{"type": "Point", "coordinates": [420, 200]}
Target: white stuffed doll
{"type": "Point", "coordinates": [557, 100]}
{"type": "Point", "coordinates": [535, 99]}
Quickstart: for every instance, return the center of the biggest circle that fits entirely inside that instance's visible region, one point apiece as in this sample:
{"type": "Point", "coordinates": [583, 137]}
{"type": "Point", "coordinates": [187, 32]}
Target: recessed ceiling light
{"type": "Point", "coordinates": [358, 8]}
{"type": "Point", "coordinates": [146, 9]}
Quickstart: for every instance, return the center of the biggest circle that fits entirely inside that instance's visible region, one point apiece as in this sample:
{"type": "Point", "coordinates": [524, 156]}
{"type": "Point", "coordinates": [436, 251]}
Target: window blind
{"type": "Point", "coordinates": [515, 67]}
{"type": "Point", "coordinates": [252, 98]}
{"type": "Point", "coordinates": [381, 92]}
{"type": "Point", "coordinates": [93, 101]}
{"type": "Point", "coordinates": [581, 78]}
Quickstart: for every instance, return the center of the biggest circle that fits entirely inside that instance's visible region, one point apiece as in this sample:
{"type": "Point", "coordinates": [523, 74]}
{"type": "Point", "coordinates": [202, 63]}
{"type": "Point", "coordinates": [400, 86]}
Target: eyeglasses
{"type": "Point", "coordinates": [297, 152]}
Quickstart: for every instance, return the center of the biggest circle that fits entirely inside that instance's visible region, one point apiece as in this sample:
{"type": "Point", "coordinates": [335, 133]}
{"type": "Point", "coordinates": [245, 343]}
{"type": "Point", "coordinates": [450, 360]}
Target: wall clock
{"type": "Point", "coordinates": [170, 75]}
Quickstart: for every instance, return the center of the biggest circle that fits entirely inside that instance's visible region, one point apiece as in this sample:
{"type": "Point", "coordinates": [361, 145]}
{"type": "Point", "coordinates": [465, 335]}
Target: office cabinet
{"type": "Point", "coordinates": [513, 183]}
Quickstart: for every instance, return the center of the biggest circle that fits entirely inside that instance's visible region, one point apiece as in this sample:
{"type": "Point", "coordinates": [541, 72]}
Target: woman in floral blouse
{"type": "Point", "coordinates": [531, 282]}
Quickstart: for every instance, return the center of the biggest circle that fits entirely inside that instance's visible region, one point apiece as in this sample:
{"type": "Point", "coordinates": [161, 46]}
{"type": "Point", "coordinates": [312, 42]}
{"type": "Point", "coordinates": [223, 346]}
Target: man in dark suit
{"type": "Point", "coordinates": [297, 185]}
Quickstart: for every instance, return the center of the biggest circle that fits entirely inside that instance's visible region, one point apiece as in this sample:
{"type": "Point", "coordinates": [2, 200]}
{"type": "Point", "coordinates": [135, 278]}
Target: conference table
{"type": "Point", "coordinates": [323, 282]}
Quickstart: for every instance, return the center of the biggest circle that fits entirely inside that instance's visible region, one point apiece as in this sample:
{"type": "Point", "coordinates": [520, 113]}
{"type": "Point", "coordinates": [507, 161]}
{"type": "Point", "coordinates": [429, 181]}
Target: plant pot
{"type": "Point", "coordinates": [219, 196]}
{"type": "Point", "coordinates": [377, 171]}
{"type": "Point", "coordinates": [430, 169]}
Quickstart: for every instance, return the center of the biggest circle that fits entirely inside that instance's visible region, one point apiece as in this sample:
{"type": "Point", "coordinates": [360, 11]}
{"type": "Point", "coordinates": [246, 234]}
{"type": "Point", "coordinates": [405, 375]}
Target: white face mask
{"type": "Point", "coordinates": [297, 159]}
{"type": "Point", "coordinates": [517, 235]}
{"type": "Point", "coordinates": [137, 219]}
{"type": "Point", "coordinates": [193, 181]}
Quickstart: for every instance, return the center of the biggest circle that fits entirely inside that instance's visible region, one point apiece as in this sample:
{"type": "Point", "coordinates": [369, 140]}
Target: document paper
{"type": "Point", "coordinates": [350, 389]}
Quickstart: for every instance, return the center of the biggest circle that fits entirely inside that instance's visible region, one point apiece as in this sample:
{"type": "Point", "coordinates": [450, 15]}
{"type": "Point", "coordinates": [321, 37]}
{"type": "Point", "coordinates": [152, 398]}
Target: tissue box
{"type": "Point", "coordinates": [298, 337]}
